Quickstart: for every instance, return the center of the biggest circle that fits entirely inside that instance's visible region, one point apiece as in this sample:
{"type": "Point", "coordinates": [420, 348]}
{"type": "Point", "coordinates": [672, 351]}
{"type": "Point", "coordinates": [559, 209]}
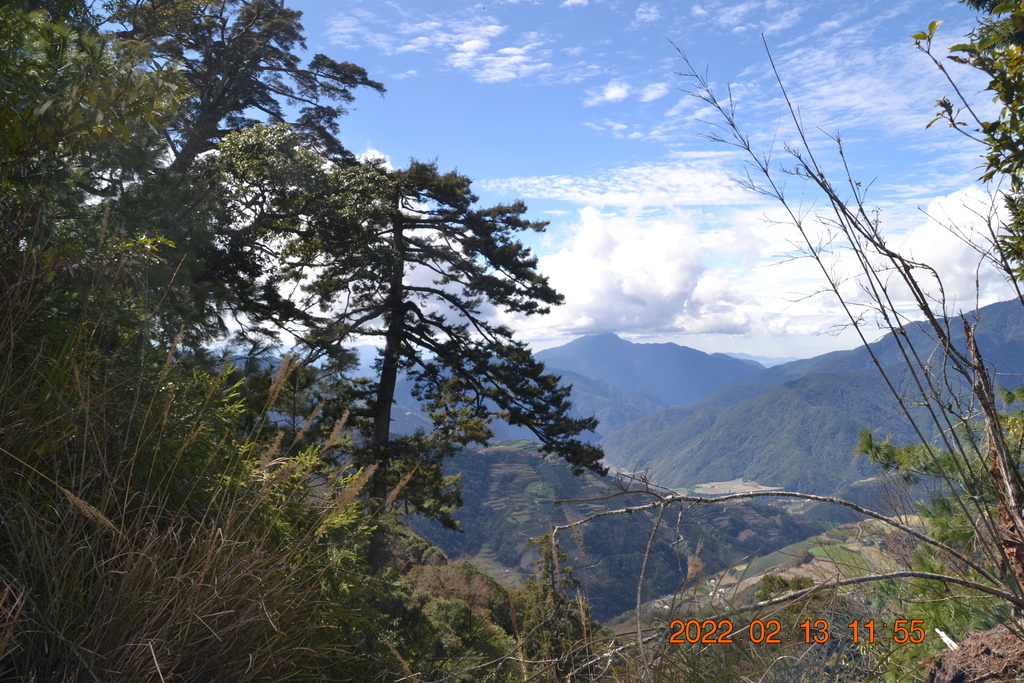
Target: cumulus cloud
{"type": "Point", "coordinates": [615, 90]}
{"type": "Point", "coordinates": [949, 239]}
{"type": "Point", "coordinates": [676, 248]}
{"type": "Point", "coordinates": [635, 261]}
{"type": "Point", "coordinates": [622, 273]}
{"type": "Point", "coordinates": [635, 274]}
{"type": "Point", "coordinates": [372, 154]}
{"type": "Point", "coordinates": [773, 293]}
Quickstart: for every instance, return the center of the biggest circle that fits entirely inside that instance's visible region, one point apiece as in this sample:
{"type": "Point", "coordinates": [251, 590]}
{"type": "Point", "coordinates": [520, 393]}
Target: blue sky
{"type": "Point", "coordinates": [575, 107]}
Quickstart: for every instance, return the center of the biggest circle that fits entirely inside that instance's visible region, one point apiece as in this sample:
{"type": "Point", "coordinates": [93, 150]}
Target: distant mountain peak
{"type": "Point", "coordinates": [666, 372]}
{"type": "Point", "coordinates": [797, 425]}
{"type": "Point", "coordinates": [601, 338]}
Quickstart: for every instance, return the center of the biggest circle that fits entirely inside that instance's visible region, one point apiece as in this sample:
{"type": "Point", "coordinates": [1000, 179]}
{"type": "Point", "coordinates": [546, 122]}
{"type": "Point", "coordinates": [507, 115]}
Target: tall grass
{"type": "Point", "coordinates": [144, 535]}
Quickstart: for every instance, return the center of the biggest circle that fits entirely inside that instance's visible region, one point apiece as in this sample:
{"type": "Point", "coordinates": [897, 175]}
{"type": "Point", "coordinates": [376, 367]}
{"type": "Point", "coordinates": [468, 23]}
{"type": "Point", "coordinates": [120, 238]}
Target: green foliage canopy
{"type": "Point", "coordinates": [239, 58]}
{"type": "Point", "coordinates": [406, 257]}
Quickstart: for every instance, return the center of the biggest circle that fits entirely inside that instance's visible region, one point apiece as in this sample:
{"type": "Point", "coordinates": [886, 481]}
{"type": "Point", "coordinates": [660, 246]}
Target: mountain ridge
{"type": "Point", "coordinates": [800, 423]}
{"type": "Point", "coordinates": [668, 373]}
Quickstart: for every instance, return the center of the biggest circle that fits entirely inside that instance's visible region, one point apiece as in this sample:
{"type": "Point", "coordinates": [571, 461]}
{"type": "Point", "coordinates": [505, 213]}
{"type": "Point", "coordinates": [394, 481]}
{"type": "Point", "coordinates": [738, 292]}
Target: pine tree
{"type": "Point", "coordinates": [405, 257]}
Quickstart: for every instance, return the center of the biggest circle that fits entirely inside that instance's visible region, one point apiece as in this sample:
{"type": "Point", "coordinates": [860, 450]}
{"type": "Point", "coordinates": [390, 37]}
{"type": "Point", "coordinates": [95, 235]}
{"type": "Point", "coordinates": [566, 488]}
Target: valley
{"type": "Point", "coordinates": [794, 426]}
{"type": "Point", "coordinates": [511, 494]}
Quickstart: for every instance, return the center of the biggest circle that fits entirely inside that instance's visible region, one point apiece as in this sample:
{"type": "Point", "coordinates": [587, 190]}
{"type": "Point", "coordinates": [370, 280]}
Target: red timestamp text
{"type": "Point", "coordinates": [771, 631]}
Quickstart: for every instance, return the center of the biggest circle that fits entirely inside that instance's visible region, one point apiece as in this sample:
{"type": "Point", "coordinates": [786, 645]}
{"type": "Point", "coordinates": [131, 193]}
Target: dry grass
{"type": "Point", "coordinates": [141, 540]}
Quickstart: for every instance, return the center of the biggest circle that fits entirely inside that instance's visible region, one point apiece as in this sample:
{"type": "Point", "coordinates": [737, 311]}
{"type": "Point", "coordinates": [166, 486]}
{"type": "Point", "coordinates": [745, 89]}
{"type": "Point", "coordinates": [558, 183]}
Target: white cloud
{"type": "Point", "coordinates": [635, 261]}
{"type": "Point", "coordinates": [621, 273]}
{"type": "Point", "coordinates": [614, 91]}
{"type": "Point", "coordinates": [760, 16]}
{"type": "Point", "coordinates": [574, 3]}
{"type": "Point", "coordinates": [677, 248]}
{"type": "Point", "coordinates": [733, 15]}
{"type": "Point", "coordinates": [624, 131]}
{"type": "Point", "coordinates": [778, 294]}
{"type": "Point", "coordinates": [617, 90]}
{"type": "Point", "coordinates": [468, 43]}
{"type": "Point", "coordinates": [634, 273]}
{"type": "Point", "coordinates": [647, 12]}
{"type": "Point", "coordinates": [502, 65]}
{"type": "Point", "coordinates": [841, 80]}
{"type": "Point", "coordinates": [944, 241]}
{"type": "Point", "coordinates": [352, 30]}
{"type": "Point", "coordinates": [781, 21]}
{"type": "Point", "coordinates": [571, 73]}
{"type": "Point", "coordinates": [653, 91]}
{"type": "Point", "coordinates": [375, 154]}
{"type": "Point", "coordinates": [697, 179]}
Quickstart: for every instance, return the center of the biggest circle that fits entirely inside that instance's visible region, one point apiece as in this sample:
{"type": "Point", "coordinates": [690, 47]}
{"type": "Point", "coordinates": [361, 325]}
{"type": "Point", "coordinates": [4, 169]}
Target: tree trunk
{"type": "Point", "coordinates": [380, 442]}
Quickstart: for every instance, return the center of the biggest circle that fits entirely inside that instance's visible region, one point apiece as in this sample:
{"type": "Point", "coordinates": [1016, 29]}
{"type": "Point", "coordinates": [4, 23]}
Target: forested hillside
{"type": "Point", "coordinates": [797, 425]}
{"type": "Point", "coordinates": [172, 182]}
{"type": "Point", "coordinates": [509, 498]}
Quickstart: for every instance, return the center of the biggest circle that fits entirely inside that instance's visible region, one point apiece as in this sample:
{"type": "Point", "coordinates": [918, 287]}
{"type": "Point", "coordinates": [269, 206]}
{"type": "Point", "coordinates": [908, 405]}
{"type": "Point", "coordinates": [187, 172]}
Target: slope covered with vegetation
{"type": "Point", "coordinates": [668, 373]}
{"type": "Point", "coordinates": [175, 513]}
{"type": "Point", "coordinates": [512, 495]}
{"type": "Point", "coordinates": [797, 425]}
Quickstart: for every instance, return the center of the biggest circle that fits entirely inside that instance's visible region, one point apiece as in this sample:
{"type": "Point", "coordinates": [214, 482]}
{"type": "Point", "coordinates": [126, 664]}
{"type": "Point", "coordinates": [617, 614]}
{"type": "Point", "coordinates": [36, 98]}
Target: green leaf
{"type": "Point", "coordinates": [1005, 7]}
{"type": "Point", "coordinates": [41, 109]}
{"type": "Point", "coordinates": [986, 43]}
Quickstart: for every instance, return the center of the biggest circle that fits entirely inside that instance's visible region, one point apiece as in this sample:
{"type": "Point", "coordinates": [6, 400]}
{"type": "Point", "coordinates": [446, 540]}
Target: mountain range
{"type": "Point", "coordinates": [666, 373]}
{"type": "Point", "coordinates": [692, 419]}
{"type": "Point", "coordinates": [711, 417]}
{"type": "Point", "coordinates": [689, 417]}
